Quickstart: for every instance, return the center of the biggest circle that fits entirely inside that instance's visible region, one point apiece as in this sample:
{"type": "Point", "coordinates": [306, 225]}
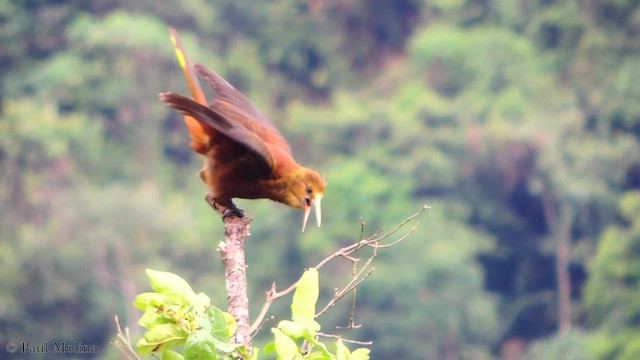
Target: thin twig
{"type": "Point", "coordinates": [399, 226]}
{"type": "Point", "coordinates": [358, 342]}
{"type": "Point", "coordinates": [345, 252]}
{"type": "Point", "coordinates": [354, 293]}
{"type": "Point", "coordinates": [341, 293]}
{"type": "Point", "coordinates": [383, 246]}
{"type": "Point", "coordinates": [124, 342]}
{"type": "Point", "coordinates": [356, 279]}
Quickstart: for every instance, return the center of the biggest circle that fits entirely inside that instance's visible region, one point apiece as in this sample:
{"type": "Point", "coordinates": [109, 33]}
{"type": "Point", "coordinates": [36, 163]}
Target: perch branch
{"type": "Point", "coordinates": [236, 230]}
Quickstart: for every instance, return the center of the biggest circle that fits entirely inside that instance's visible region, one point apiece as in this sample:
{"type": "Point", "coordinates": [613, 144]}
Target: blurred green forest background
{"type": "Point", "coordinates": [517, 121]}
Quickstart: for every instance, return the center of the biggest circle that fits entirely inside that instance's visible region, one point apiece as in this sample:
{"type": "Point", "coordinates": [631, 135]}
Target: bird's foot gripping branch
{"type": "Point", "coordinates": [224, 211]}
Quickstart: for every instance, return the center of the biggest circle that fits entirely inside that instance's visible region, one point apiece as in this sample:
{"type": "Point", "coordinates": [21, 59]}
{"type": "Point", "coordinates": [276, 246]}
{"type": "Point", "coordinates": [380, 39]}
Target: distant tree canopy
{"type": "Point", "coordinates": [517, 121]}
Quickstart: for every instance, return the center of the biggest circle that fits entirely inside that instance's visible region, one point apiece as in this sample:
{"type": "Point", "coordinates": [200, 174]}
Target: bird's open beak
{"type": "Point", "coordinates": [307, 210]}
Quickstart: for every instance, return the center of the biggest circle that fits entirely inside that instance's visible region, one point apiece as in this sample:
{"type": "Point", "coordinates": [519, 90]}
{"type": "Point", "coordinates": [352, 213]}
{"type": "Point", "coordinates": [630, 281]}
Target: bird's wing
{"type": "Point", "coordinates": [199, 135]}
{"type": "Point", "coordinates": [232, 129]}
{"type": "Point", "coordinates": [233, 104]}
{"type": "Point", "coordinates": [267, 134]}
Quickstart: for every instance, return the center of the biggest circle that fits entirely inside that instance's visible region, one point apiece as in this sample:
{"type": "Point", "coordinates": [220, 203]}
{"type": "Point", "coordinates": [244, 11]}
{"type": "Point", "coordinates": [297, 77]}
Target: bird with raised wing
{"type": "Point", "coordinates": [245, 154]}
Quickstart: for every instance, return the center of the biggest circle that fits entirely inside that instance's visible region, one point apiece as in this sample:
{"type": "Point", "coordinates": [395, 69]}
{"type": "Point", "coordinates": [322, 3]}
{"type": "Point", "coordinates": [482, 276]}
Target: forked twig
{"type": "Point", "coordinates": [358, 342]}
{"type": "Point", "coordinates": [357, 276]}
{"type": "Point", "coordinates": [123, 343]}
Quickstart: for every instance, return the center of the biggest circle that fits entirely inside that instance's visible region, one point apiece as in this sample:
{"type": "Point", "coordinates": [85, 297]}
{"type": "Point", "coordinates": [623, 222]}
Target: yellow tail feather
{"type": "Point", "coordinates": [197, 133]}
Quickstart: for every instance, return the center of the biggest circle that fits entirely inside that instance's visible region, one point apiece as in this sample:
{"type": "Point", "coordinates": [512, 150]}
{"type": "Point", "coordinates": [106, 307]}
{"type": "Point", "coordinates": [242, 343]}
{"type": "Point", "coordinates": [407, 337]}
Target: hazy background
{"type": "Point", "coordinates": [517, 121]}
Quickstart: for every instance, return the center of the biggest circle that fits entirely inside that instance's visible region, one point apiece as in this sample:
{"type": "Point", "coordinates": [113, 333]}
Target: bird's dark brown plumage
{"type": "Point", "coordinates": [245, 154]}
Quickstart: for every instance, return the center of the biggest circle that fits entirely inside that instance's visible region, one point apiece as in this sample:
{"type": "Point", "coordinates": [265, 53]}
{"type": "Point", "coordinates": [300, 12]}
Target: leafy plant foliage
{"type": "Point", "coordinates": [177, 317]}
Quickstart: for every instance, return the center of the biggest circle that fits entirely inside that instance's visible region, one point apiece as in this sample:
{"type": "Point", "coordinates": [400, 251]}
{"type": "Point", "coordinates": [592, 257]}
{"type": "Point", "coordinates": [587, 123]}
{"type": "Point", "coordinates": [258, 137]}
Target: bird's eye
{"type": "Point", "coordinates": [308, 190]}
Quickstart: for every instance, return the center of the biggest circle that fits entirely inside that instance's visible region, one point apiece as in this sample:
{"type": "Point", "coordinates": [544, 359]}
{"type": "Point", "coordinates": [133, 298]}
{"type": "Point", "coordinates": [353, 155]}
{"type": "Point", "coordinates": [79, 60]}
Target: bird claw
{"type": "Point", "coordinates": [234, 211]}
{"type": "Point", "coordinates": [225, 211]}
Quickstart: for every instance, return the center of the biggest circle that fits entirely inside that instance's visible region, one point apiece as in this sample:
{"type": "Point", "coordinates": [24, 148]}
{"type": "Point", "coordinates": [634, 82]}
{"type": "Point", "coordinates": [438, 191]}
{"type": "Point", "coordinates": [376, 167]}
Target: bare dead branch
{"type": "Point", "coordinates": [358, 342]}
{"type": "Point", "coordinates": [235, 270]}
{"type": "Point", "coordinates": [339, 294]}
{"type": "Point", "coordinates": [383, 246]}
{"type": "Point", "coordinates": [358, 277]}
{"type": "Point", "coordinates": [373, 238]}
{"type": "Point", "coordinates": [354, 293]}
{"type": "Point", "coordinates": [123, 343]}
{"type": "Point", "coordinates": [236, 230]}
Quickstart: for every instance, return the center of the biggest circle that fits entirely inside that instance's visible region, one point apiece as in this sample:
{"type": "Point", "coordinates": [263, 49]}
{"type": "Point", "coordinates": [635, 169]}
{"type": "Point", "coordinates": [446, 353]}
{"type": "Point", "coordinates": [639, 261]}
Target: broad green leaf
{"type": "Point", "coordinates": [269, 347]}
{"type": "Point", "coordinates": [155, 299]}
{"type": "Point", "coordinates": [291, 329]}
{"type": "Point", "coordinates": [203, 323]}
{"type": "Point", "coordinates": [168, 283]}
{"type": "Point", "coordinates": [232, 325]}
{"type": "Point", "coordinates": [218, 324]}
{"type": "Point", "coordinates": [286, 349]}
{"type": "Point", "coordinates": [313, 341]}
{"type": "Point", "coordinates": [311, 328]}
{"type": "Point", "coordinates": [200, 345]}
{"type": "Point", "coordinates": [171, 355]}
{"type": "Point", "coordinates": [161, 336]}
{"type": "Point", "coordinates": [303, 306]}
{"type": "Point", "coordinates": [254, 354]}
{"type": "Point", "coordinates": [360, 354]}
{"type": "Point", "coordinates": [318, 355]}
{"type": "Point", "coordinates": [226, 347]}
{"type": "Point", "coordinates": [202, 301]}
{"type": "Point", "coordinates": [341, 351]}
{"type": "Point", "coordinates": [151, 318]}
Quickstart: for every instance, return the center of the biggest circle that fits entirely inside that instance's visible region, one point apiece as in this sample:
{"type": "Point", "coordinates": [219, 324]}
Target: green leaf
{"type": "Point", "coordinates": [313, 341]}
{"type": "Point", "coordinates": [292, 329]}
{"type": "Point", "coordinates": [285, 347]}
{"type": "Point", "coordinates": [303, 307]}
{"type": "Point", "coordinates": [232, 325]}
{"type": "Point", "coordinates": [226, 347]}
{"type": "Point", "coordinates": [360, 354]}
{"type": "Point", "coordinates": [341, 351]}
{"type": "Point", "coordinates": [168, 283]}
{"type": "Point", "coordinates": [269, 348]}
{"type": "Point", "coordinates": [200, 345]}
{"type": "Point", "coordinates": [318, 355]}
{"type": "Point", "coordinates": [254, 354]}
{"type": "Point", "coordinates": [168, 354]}
{"type": "Point", "coordinates": [151, 318]}
{"type": "Point", "coordinates": [203, 323]}
{"type": "Point", "coordinates": [161, 336]}
{"type": "Point", "coordinates": [218, 324]}
{"type": "Point", "coordinates": [155, 299]}
{"type": "Point", "coordinates": [202, 301]}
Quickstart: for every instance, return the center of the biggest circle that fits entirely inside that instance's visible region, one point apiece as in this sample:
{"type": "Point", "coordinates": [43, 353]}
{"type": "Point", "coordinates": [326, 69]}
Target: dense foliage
{"type": "Point", "coordinates": [516, 121]}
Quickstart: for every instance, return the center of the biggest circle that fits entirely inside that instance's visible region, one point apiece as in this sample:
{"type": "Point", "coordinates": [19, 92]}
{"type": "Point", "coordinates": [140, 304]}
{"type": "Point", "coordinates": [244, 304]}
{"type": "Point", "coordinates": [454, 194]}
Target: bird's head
{"type": "Point", "coordinates": [306, 190]}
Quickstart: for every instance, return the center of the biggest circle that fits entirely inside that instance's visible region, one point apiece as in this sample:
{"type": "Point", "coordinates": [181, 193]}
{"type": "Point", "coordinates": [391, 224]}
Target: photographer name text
{"type": "Point", "coordinates": [75, 347]}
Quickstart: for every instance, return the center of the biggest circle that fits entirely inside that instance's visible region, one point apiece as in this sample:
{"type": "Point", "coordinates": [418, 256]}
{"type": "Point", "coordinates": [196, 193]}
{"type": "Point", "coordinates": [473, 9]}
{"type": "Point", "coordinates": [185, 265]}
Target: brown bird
{"type": "Point", "coordinates": [245, 154]}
